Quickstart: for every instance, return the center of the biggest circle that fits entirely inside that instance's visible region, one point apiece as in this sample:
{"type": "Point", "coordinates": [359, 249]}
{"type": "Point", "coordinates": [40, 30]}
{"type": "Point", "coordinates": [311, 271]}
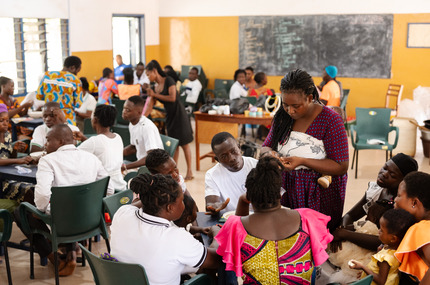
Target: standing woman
{"type": "Point", "coordinates": [177, 122]}
{"type": "Point", "coordinates": [310, 139]}
{"type": "Point", "coordinates": [107, 87]}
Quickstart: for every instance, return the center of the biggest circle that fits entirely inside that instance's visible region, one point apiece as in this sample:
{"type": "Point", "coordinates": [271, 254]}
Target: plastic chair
{"type": "Point", "coordinates": [344, 99]}
{"type": "Point", "coordinates": [124, 133]}
{"type": "Point", "coordinates": [76, 214]}
{"type": "Point", "coordinates": [200, 279]}
{"type": "Point", "coordinates": [108, 272]}
{"type": "Point", "coordinates": [114, 202]}
{"type": "Point", "coordinates": [119, 105]}
{"type": "Point", "coordinates": [221, 89]}
{"type": "Point", "coordinates": [372, 124]}
{"type": "Point", "coordinates": [88, 128]}
{"type": "Point", "coordinates": [4, 237]}
{"type": "Point", "coordinates": [365, 281]}
{"type": "Point", "coordinates": [251, 99]}
{"type": "Point", "coordinates": [130, 175]}
{"type": "Point", "coordinates": [143, 170]}
{"type": "Point", "coordinates": [394, 90]}
{"type": "Point", "coordinates": [170, 144]}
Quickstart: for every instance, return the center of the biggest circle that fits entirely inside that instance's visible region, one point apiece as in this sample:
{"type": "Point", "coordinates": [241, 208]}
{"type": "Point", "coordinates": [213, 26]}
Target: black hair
{"type": "Point", "coordinates": [189, 204]}
{"type": "Point", "coordinates": [155, 191]}
{"type": "Point", "coordinates": [219, 138]}
{"type": "Point", "coordinates": [296, 81]}
{"type": "Point", "coordinates": [155, 158]}
{"type": "Point", "coordinates": [263, 183]}
{"type": "Point", "coordinates": [398, 222]}
{"type": "Point", "coordinates": [128, 75]}
{"type": "Point", "coordinates": [140, 63]}
{"type": "Point", "coordinates": [72, 61]}
{"type": "Point", "coordinates": [250, 68]}
{"type": "Point", "coordinates": [106, 72]}
{"type": "Point", "coordinates": [153, 64]}
{"type": "Point", "coordinates": [106, 115]}
{"type": "Point", "coordinates": [51, 104]}
{"type": "Point", "coordinates": [195, 68]}
{"type": "Point", "coordinates": [171, 72]}
{"type": "Point", "coordinates": [237, 72]}
{"type": "Point", "coordinates": [3, 81]}
{"type": "Point", "coordinates": [259, 77]}
{"type": "Point", "coordinates": [136, 100]}
{"type": "Point", "coordinates": [85, 84]}
{"type": "Point", "coordinates": [417, 186]}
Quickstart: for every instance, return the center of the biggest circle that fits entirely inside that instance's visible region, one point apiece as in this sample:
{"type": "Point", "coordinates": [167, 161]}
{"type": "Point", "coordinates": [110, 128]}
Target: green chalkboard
{"type": "Point", "coordinates": [359, 45]}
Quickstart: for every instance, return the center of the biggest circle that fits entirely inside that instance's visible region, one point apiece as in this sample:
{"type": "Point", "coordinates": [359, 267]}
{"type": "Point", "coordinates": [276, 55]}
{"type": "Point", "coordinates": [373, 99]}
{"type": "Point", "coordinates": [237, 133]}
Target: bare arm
{"type": "Point", "coordinates": [214, 205]}
{"type": "Point", "coordinates": [356, 212]}
{"type": "Point", "coordinates": [379, 278]}
{"type": "Point", "coordinates": [35, 148]}
{"type": "Point", "coordinates": [134, 164]}
{"type": "Point", "coordinates": [9, 161]}
{"type": "Point", "coordinates": [326, 166]}
{"type": "Point", "coordinates": [242, 206]}
{"type": "Point", "coordinates": [129, 150]}
{"type": "Point", "coordinates": [369, 242]}
{"type": "Point", "coordinates": [85, 115]}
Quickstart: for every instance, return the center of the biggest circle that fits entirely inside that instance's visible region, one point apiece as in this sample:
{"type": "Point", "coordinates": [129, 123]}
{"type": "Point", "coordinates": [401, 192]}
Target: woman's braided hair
{"type": "Point", "coordinates": [155, 191]}
{"type": "Point", "coordinates": [297, 81]}
{"type": "Point", "coordinates": [263, 183]}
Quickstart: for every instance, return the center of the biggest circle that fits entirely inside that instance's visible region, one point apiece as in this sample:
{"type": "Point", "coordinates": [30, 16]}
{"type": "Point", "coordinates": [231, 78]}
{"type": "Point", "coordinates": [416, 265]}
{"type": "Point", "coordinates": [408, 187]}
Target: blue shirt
{"type": "Point", "coordinates": [118, 71]}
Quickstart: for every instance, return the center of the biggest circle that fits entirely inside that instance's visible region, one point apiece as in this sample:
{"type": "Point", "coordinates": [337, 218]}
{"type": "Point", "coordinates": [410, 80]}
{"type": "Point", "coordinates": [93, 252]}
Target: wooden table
{"type": "Point", "coordinates": [209, 125]}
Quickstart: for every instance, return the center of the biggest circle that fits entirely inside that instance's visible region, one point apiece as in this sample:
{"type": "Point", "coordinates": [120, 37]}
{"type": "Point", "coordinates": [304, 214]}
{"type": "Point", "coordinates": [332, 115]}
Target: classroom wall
{"type": "Point", "coordinates": [213, 42]}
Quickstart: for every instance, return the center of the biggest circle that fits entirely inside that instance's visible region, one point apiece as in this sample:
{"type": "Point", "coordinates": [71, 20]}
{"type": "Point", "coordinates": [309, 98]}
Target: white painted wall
{"type": "Point", "coordinates": [198, 8]}
{"type": "Point", "coordinates": [90, 21]}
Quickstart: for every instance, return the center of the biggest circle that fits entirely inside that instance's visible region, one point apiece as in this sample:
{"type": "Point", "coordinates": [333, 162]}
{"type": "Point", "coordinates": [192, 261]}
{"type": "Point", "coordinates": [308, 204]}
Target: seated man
{"type": "Point", "coordinates": [144, 135]}
{"type": "Point", "coordinates": [192, 87]}
{"type": "Point", "coordinates": [52, 115]}
{"type": "Point", "coordinates": [226, 181]}
{"type": "Point", "coordinates": [64, 165]}
{"type": "Point", "coordinates": [331, 90]}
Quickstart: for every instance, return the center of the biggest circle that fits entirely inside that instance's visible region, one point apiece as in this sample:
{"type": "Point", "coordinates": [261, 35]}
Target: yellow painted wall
{"type": "Point", "coordinates": [213, 42]}
{"type": "Point", "coordinates": [93, 63]}
{"type": "Point", "coordinates": [152, 52]}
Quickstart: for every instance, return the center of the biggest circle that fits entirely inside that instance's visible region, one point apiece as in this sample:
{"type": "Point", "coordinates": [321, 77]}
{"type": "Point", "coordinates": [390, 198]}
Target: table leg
{"type": "Point", "coordinates": [197, 146]}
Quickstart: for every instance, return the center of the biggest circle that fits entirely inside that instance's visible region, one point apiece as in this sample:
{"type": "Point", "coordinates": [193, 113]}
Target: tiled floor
{"type": "Point", "coordinates": [370, 161]}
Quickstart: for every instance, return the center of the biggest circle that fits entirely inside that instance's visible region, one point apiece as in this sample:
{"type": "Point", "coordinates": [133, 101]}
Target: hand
{"type": "Point", "coordinates": [150, 92]}
{"type": "Point", "coordinates": [215, 208]}
{"type": "Point", "coordinates": [380, 247]}
{"type": "Point", "coordinates": [213, 231]}
{"type": "Point", "coordinates": [243, 199]}
{"type": "Point", "coordinates": [25, 160]}
{"type": "Point", "coordinates": [290, 163]}
{"type": "Point", "coordinates": [123, 167]}
{"type": "Point", "coordinates": [354, 264]}
{"type": "Point", "coordinates": [27, 105]}
{"type": "Point", "coordinates": [269, 153]}
{"type": "Point", "coordinates": [338, 238]}
{"type": "Point", "coordinates": [79, 136]}
{"type": "Point", "coordinates": [206, 230]}
{"type": "Point", "coordinates": [20, 146]}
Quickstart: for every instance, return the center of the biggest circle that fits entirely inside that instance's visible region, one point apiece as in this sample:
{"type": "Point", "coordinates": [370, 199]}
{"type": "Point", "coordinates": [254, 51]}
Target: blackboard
{"type": "Point", "coordinates": [359, 45]}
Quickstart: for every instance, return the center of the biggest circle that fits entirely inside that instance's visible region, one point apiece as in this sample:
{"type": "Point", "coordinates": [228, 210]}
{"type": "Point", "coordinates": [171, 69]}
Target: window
{"type": "Point", "coordinates": [31, 47]}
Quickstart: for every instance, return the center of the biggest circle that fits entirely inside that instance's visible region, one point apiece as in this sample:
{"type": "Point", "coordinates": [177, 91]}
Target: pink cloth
{"type": "Point", "coordinates": [231, 237]}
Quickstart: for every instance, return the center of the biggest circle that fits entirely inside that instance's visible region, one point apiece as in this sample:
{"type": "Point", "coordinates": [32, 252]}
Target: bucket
{"type": "Point", "coordinates": [426, 147]}
{"type": "Point", "coordinates": [407, 136]}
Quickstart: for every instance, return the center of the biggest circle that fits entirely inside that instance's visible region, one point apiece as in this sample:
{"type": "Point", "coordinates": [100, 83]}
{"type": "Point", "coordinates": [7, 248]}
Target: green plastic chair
{"type": "Point", "coordinates": [251, 99]}
{"type": "Point", "coordinates": [114, 202]}
{"type": "Point", "coordinates": [365, 281]}
{"type": "Point", "coordinates": [130, 175]}
{"type": "Point", "coordinates": [372, 123]}
{"type": "Point", "coordinates": [4, 237]}
{"type": "Point", "coordinates": [88, 128]}
{"type": "Point", "coordinates": [344, 99]}
{"type": "Point", "coordinates": [108, 272]}
{"type": "Point", "coordinates": [143, 170]}
{"type": "Point", "coordinates": [200, 279]}
{"type": "Point", "coordinates": [119, 105]}
{"type": "Point", "coordinates": [76, 214]}
{"type": "Point", "coordinates": [170, 144]}
{"type": "Point", "coordinates": [221, 89]}
{"type": "Point", "coordinates": [124, 133]}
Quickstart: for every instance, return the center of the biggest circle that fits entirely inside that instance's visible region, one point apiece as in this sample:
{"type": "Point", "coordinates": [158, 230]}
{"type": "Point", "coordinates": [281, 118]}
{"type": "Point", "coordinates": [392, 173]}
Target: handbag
{"type": "Point", "coordinates": [239, 106]}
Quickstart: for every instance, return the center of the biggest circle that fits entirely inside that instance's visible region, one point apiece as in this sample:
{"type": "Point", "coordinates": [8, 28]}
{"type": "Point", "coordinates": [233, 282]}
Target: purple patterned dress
{"type": "Point", "coordinates": [302, 189]}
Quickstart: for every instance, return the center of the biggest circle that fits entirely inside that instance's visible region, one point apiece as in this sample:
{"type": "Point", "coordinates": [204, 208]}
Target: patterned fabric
{"type": "Point", "coordinates": [62, 87]}
{"type": "Point", "coordinates": [6, 147]}
{"type": "Point", "coordinates": [107, 87]}
{"type": "Point", "coordinates": [288, 261]}
{"type": "Point", "coordinates": [302, 189]}
{"type": "Point", "coordinates": [19, 130]}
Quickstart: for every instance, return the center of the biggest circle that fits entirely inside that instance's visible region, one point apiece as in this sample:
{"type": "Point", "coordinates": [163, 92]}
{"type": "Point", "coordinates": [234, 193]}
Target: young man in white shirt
{"type": "Point", "coordinates": [225, 182]}
{"type": "Point", "coordinates": [52, 115]}
{"type": "Point", "coordinates": [89, 103]}
{"type": "Point", "coordinates": [237, 90]}
{"type": "Point", "coordinates": [193, 86]}
{"type": "Point", "coordinates": [144, 135]}
{"type": "Point", "coordinates": [140, 76]}
{"type": "Point", "coordinates": [64, 165]}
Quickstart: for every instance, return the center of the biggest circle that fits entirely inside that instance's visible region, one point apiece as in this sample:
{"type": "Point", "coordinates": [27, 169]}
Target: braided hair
{"type": "Point", "coordinates": [155, 158]}
{"type": "Point", "coordinates": [296, 81]}
{"type": "Point", "coordinates": [155, 191]}
{"type": "Point", "coordinates": [259, 191]}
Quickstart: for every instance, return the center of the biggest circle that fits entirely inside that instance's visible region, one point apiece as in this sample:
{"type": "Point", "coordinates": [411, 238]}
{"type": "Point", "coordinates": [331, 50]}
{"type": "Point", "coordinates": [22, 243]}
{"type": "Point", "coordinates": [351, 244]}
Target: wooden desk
{"type": "Point", "coordinates": [209, 125]}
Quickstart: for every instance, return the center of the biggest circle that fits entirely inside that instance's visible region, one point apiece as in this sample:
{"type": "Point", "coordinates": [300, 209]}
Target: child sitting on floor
{"type": "Point", "coordinates": [189, 216]}
{"type": "Point", "coordinates": [394, 224]}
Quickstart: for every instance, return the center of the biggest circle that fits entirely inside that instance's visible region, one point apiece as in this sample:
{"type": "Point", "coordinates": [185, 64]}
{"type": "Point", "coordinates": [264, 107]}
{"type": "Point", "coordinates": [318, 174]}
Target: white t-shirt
{"type": "Point", "coordinates": [144, 136]}
{"type": "Point", "coordinates": [109, 151]}
{"type": "Point", "coordinates": [142, 80]}
{"type": "Point", "coordinates": [39, 134]}
{"type": "Point", "coordinates": [237, 91]}
{"type": "Point", "coordinates": [221, 182]}
{"type": "Point", "coordinates": [163, 249]}
{"type": "Point", "coordinates": [89, 104]}
{"type": "Point", "coordinates": [192, 92]}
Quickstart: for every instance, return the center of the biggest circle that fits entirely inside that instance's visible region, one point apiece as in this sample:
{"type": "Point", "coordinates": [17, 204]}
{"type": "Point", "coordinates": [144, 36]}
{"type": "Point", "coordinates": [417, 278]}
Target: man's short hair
{"type": "Point", "coordinates": [250, 68]}
{"type": "Point", "coordinates": [51, 104]}
{"type": "Point", "coordinates": [220, 138]}
{"type": "Point", "coordinates": [195, 68]}
{"type": "Point", "coordinates": [140, 63]}
{"type": "Point", "coordinates": [137, 100]}
{"type": "Point", "coordinates": [72, 61]}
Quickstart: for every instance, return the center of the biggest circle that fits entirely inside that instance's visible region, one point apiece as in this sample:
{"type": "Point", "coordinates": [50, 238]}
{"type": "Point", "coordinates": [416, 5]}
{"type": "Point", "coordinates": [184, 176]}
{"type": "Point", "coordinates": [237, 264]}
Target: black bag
{"type": "Point", "coordinates": [248, 148]}
{"type": "Point", "coordinates": [239, 105]}
{"type": "Point", "coordinates": [261, 101]}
